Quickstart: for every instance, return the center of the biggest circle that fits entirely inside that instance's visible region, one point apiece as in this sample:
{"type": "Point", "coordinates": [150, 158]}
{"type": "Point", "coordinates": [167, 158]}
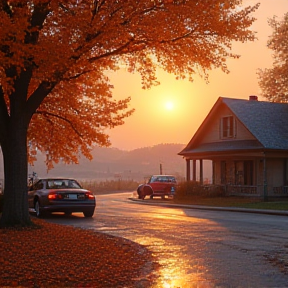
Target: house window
{"type": "Point", "coordinates": [228, 128]}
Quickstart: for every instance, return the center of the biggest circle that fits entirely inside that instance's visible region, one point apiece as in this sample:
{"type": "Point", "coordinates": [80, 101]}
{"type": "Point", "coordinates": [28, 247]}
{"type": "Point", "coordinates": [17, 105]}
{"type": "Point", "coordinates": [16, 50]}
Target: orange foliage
{"type": "Point", "coordinates": [60, 52]}
{"type": "Point", "coordinates": [63, 256]}
{"type": "Point", "coordinates": [55, 95]}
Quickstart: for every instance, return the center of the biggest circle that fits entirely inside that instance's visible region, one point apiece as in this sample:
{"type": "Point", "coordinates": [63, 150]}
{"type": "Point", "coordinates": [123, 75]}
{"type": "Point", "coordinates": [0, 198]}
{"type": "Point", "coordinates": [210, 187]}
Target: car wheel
{"type": "Point", "coordinates": [147, 190]}
{"type": "Point", "coordinates": [39, 213]}
{"type": "Point", "coordinates": [88, 213]}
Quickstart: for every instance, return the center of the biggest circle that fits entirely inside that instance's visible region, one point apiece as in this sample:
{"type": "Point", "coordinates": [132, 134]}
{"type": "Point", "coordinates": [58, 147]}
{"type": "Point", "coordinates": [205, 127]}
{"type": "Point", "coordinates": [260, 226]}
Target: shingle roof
{"type": "Point", "coordinates": [227, 146]}
{"type": "Point", "coordinates": [267, 121]}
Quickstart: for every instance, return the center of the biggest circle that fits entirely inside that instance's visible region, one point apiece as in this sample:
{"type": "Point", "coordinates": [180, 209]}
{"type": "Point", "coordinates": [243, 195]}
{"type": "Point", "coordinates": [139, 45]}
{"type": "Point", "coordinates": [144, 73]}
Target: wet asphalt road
{"type": "Point", "coordinates": [196, 248]}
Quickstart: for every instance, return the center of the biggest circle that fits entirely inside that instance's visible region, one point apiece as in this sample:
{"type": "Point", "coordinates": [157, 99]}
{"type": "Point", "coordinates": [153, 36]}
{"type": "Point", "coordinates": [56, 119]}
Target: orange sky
{"type": "Point", "coordinates": [152, 123]}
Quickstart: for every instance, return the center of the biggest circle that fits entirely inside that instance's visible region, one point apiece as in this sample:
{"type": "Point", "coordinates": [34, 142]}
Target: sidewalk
{"type": "Point", "coordinates": [167, 203]}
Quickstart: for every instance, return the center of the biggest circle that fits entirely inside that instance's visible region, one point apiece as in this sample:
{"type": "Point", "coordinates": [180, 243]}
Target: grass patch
{"type": "Point", "coordinates": [241, 202]}
{"type": "Point", "coordinates": [273, 205]}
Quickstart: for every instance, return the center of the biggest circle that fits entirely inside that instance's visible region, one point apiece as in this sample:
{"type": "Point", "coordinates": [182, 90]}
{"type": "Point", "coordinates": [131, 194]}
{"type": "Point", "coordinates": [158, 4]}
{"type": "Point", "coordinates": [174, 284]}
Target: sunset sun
{"type": "Point", "coordinates": [169, 105]}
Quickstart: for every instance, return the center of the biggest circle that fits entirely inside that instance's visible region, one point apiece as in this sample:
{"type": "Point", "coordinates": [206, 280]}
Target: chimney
{"type": "Point", "coordinates": [253, 98]}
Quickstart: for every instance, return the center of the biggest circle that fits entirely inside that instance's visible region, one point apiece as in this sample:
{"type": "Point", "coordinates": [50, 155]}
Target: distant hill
{"type": "Point", "coordinates": [114, 163]}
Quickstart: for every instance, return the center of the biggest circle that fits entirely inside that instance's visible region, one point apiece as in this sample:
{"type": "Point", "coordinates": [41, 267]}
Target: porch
{"type": "Point", "coordinates": [237, 190]}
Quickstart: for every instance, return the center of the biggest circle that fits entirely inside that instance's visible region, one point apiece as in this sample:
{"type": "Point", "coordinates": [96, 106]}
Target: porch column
{"type": "Point", "coordinates": [265, 192]}
{"type": "Point", "coordinates": [188, 170]}
{"type": "Point", "coordinates": [201, 171]}
{"type": "Point", "coordinates": [194, 170]}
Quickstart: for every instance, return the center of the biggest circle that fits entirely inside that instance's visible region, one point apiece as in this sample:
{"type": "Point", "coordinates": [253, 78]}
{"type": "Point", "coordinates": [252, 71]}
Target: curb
{"type": "Point", "coordinates": [200, 207]}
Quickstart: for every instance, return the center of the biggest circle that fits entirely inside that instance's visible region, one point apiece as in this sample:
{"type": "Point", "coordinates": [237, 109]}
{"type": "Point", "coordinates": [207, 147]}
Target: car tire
{"type": "Point", "coordinates": [88, 213]}
{"type": "Point", "coordinates": [37, 208]}
{"type": "Point", "coordinates": [147, 190]}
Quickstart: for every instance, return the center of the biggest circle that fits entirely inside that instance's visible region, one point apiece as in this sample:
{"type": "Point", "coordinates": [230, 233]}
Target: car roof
{"type": "Point", "coordinates": [57, 178]}
{"type": "Point", "coordinates": [161, 175]}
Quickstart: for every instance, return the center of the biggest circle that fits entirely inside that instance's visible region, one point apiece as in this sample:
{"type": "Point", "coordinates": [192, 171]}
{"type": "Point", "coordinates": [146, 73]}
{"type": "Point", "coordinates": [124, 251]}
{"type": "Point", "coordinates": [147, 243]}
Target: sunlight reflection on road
{"type": "Point", "coordinates": [176, 270]}
{"type": "Point", "coordinates": [174, 236]}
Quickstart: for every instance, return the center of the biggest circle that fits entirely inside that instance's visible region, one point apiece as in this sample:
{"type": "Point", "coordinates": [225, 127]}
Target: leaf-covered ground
{"type": "Point", "coordinates": [62, 256]}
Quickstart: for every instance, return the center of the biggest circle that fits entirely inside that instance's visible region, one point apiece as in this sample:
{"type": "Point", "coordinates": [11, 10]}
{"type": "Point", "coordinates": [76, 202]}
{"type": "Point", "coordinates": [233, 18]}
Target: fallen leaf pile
{"type": "Point", "coordinates": [63, 256]}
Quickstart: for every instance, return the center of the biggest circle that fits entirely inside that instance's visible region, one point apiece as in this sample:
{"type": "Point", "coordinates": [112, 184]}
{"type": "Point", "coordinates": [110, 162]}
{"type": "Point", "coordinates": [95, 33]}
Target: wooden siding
{"type": "Point", "coordinates": [212, 130]}
{"type": "Point", "coordinates": [275, 172]}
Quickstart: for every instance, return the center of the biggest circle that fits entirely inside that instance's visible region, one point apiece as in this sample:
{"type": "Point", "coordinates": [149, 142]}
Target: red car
{"type": "Point", "coordinates": [158, 185]}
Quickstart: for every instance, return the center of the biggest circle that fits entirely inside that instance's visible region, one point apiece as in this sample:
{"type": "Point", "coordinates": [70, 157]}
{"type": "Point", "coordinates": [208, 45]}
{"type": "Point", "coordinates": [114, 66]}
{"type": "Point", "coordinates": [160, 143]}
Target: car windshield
{"type": "Point", "coordinates": [62, 183]}
{"type": "Point", "coordinates": [162, 179]}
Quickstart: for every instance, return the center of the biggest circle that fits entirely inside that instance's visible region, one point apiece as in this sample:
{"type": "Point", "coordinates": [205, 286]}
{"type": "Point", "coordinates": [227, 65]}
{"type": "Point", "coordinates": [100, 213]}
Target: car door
{"type": "Point", "coordinates": [31, 192]}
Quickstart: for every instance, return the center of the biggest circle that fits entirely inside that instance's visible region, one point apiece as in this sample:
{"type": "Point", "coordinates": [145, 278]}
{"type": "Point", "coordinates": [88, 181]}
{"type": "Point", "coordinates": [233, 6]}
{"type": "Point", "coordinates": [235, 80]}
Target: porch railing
{"type": "Point", "coordinates": [237, 190]}
{"type": "Point", "coordinates": [251, 190]}
{"type": "Point", "coordinates": [280, 191]}
{"type": "Point", "coordinates": [242, 190]}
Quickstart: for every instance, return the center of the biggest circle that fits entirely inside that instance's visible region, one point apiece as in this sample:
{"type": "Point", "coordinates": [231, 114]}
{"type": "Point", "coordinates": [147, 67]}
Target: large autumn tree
{"type": "Point", "coordinates": [274, 81]}
{"type": "Point", "coordinates": [55, 96]}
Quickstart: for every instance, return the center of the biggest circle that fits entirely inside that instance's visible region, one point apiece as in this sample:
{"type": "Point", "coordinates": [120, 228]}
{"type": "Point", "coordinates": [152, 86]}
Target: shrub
{"type": "Point", "coordinates": [193, 188]}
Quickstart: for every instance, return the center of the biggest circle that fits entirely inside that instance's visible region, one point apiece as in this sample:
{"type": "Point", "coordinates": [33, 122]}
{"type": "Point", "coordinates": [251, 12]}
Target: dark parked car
{"type": "Point", "coordinates": [60, 195]}
{"type": "Point", "coordinates": [158, 185]}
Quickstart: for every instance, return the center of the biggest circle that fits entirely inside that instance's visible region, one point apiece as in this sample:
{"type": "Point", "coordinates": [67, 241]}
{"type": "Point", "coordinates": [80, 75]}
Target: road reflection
{"type": "Point", "coordinates": [177, 269]}
{"type": "Point", "coordinates": [195, 249]}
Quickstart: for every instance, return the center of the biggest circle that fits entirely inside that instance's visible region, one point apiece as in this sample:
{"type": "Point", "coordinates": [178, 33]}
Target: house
{"type": "Point", "coordinates": [247, 144]}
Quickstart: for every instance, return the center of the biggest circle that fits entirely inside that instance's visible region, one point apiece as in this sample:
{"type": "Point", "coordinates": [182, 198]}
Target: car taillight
{"type": "Point", "coordinates": [53, 196]}
{"type": "Point", "coordinates": [89, 195]}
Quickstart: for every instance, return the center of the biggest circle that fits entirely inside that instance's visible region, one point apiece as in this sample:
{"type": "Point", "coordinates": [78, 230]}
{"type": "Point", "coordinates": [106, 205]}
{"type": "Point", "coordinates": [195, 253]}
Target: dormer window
{"type": "Point", "coordinates": [228, 127]}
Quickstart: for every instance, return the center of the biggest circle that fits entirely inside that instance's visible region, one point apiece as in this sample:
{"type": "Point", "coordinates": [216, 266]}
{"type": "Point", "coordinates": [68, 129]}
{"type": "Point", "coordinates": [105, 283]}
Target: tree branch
{"type": "Point", "coordinates": [45, 113]}
{"type": "Point", "coordinates": [96, 6]}
{"type": "Point", "coordinates": [178, 38]}
{"type": "Point", "coordinates": [111, 53]}
{"type": "Point", "coordinates": [36, 21]}
{"type": "Point", "coordinates": [38, 96]}
{"type": "Point", "coordinates": [77, 75]}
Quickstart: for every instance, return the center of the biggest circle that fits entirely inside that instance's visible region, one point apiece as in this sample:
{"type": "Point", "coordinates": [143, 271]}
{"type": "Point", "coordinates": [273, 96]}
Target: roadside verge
{"type": "Point", "coordinates": [168, 204]}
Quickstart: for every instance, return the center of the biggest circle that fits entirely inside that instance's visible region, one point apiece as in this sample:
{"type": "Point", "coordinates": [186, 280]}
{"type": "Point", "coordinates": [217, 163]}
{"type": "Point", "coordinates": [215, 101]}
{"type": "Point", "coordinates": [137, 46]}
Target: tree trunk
{"type": "Point", "coordinates": [15, 209]}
